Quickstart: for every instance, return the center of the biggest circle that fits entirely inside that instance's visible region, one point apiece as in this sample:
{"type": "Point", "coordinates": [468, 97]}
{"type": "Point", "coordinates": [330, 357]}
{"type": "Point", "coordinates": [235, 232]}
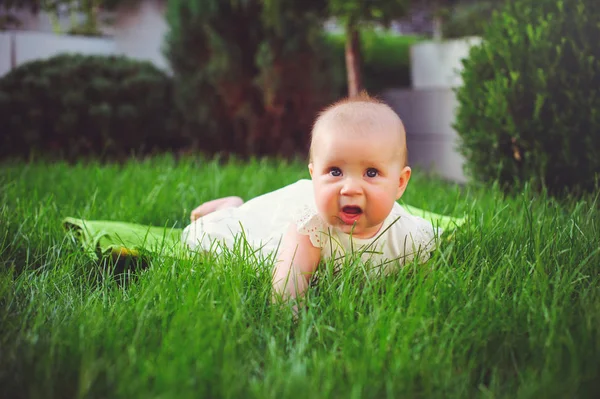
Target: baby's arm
{"type": "Point", "coordinates": [215, 205]}
{"type": "Point", "coordinates": [297, 260]}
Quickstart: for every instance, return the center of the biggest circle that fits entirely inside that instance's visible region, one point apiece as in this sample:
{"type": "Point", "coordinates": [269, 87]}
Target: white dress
{"type": "Point", "coordinates": [261, 222]}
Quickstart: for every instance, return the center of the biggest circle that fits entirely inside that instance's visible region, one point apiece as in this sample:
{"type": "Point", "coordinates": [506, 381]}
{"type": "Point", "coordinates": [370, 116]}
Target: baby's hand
{"type": "Point", "coordinates": [197, 213]}
{"type": "Point", "coordinates": [215, 205]}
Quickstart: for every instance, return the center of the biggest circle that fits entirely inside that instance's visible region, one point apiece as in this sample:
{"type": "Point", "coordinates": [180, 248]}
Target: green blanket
{"type": "Point", "coordinates": [100, 238]}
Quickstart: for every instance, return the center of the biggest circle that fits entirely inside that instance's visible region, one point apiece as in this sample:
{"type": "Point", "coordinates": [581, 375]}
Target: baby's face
{"type": "Point", "coordinates": [357, 176]}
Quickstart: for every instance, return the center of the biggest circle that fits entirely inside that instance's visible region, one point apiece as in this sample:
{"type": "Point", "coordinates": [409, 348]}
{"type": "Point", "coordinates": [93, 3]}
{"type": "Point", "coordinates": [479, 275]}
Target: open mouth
{"type": "Point", "coordinates": [350, 214]}
{"type": "Point", "coordinates": [352, 210]}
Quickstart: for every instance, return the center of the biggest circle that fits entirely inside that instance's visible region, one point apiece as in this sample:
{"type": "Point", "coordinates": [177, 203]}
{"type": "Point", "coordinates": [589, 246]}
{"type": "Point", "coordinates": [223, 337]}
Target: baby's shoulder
{"type": "Point", "coordinates": [408, 236]}
{"type": "Point", "coordinates": [401, 222]}
{"type": "Point", "coordinates": [291, 203]}
{"type": "Point", "coordinates": [300, 189]}
{"type": "Point", "coordinates": [289, 195]}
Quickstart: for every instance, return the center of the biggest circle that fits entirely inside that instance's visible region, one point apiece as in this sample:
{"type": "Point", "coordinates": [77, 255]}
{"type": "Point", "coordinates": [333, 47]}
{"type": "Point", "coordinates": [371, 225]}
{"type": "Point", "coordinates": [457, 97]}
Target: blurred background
{"type": "Point", "coordinates": [241, 77]}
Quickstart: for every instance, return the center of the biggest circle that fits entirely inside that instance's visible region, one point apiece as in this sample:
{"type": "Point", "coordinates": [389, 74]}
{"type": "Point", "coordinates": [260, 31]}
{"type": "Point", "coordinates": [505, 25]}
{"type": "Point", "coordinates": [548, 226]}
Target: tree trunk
{"type": "Point", "coordinates": [13, 51]}
{"type": "Point", "coordinates": [353, 59]}
{"type": "Point", "coordinates": [437, 20]}
{"type": "Point", "coordinates": [437, 28]}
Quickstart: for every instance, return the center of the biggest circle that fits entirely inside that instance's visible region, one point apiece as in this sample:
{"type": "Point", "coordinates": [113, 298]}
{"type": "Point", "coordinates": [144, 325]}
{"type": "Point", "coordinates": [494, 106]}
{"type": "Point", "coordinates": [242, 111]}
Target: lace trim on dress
{"type": "Point", "coordinates": [308, 222]}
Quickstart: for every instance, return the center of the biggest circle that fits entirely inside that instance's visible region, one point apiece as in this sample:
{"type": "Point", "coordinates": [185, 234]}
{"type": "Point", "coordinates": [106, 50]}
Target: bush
{"type": "Point", "coordinates": [71, 105]}
{"type": "Point", "coordinates": [529, 108]}
{"type": "Point", "coordinates": [250, 76]}
{"type": "Point", "coordinates": [385, 60]}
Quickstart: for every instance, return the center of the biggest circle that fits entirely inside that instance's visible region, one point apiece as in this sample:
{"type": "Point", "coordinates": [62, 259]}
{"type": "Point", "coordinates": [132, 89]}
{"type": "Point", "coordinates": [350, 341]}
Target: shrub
{"type": "Point", "coordinates": [529, 108]}
{"type": "Point", "coordinates": [71, 105]}
{"type": "Point", "coordinates": [385, 60]}
{"type": "Point", "coordinates": [250, 76]}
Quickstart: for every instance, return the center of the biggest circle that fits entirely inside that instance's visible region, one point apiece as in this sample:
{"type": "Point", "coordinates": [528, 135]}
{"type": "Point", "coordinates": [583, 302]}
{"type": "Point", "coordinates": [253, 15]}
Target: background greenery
{"type": "Point", "coordinates": [467, 17]}
{"type": "Point", "coordinates": [509, 307]}
{"type": "Point", "coordinates": [529, 108]}
{"type": "Point", "coordinates": [249, 76]}
{"type": "Point", "coordinates": [385, 62]}
{"type": "Point", "coordinates": [75, 105]}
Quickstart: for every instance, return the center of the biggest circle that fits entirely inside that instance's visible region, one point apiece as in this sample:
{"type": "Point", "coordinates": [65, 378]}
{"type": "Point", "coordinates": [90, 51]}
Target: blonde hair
{"type": "Point", "coordinates": [363, 98]}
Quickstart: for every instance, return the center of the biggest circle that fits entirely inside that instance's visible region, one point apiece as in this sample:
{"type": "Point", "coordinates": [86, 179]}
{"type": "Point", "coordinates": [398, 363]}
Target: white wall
{"type": "Point", "coordinates": [139, 32]}
{"type": "Point", "coordinates": [35, 45]}
{"type": "Point", "coordinates": [29, 46]}
{"type": "Point", "coordinates": [429, 108]}
{"type": "Point", "coordinates": [428, 116]}
{"type": "Point", "coordinates": [437, 65]}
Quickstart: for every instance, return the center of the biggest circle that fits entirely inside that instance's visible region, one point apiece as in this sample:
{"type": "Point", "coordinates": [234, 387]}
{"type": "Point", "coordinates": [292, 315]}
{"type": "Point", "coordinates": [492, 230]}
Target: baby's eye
{"type": "Point", "coordinates": [336, 172]}
{"type": "Point", "coordinates": [372, 172]}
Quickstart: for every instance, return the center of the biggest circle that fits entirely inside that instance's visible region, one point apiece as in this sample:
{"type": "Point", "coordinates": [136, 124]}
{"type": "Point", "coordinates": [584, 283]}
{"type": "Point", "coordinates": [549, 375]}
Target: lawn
{"type": "Point", "coordinates": [508, 307]}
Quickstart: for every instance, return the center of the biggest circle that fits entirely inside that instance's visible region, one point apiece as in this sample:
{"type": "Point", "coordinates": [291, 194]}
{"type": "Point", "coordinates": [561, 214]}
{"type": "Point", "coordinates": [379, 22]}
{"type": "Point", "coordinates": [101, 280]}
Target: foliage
{"type": "Point", "coordinates": [530, 105]}
{"type": "Point", "coordinates": [354, 15]}
{"type": "Point", "coordinates": [385, 60]}
{"type": "Point", "coordinates": [89, 9]}
{"type": "Point", "coordinates": [8, 18]}
{"type": "Point", "coordinates": [9, 21]}
{"type": "Point", "coordinates": [115, 4]}
{"type": "Point", "coordinates": [469, 17]}
{"type": "Point", "coordinates": [249, 75]}
{"type": "Point", "coordinates": [367, 12]}
{"type": "Point", "coordinates": [33, 5]}
{"type": "Point", "coordinates": [459, 18]}
{"type": "Point", "coordinates": [72, 105]}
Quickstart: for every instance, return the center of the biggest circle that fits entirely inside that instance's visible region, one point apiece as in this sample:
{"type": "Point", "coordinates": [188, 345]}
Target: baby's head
{"type": "Point", "coordinates": [358, 164]}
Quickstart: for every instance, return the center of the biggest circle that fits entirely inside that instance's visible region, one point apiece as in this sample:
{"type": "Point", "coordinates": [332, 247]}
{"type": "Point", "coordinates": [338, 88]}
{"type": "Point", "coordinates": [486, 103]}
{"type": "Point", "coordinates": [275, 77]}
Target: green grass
{"type": "Point", "coordinates": [509, 308]}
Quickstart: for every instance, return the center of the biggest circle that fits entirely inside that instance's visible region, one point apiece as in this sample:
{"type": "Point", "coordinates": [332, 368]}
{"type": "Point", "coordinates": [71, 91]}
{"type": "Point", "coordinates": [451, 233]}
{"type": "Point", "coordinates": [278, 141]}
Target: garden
{"type": "Point", "coordinates": [507, 306]}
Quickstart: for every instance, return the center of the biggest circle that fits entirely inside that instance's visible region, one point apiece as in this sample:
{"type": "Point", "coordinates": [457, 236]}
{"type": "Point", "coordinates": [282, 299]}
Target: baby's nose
{"type": "Point", "coordinates": [351, 187]}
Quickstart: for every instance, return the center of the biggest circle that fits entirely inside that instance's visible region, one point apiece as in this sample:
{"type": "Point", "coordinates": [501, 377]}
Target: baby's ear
{"type": "Point", "coordinates": [310, 169]}
{"type": "Point", "coordinates": [403, 181]}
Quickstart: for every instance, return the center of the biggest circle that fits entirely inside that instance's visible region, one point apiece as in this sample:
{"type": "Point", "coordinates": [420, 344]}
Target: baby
{"type": "Point", "coordinates": [358, 168]}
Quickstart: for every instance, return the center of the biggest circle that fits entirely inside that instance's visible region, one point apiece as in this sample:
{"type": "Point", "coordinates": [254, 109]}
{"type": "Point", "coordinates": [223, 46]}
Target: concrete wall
{"type": "Point", "coordinates": [139, 32]}
{"type": "Point", "coordinates": [29, 46]}
{"type": "Point", "coordinates": [428, 116]}
{"type": "Point", "coordinates": [436, 65]}
{"type": "Point", "coordinates": [429, 108]}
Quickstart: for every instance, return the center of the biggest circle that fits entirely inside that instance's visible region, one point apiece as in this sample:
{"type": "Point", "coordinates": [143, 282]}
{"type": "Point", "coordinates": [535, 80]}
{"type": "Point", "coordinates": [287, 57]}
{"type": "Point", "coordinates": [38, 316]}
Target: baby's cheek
{"type": "Point", "coordinates": [326, 204]}
{"type": "Point", "coordinates": [382, 206]}
{"type": "Point", "coordinates": [319, 200]}
{"type": "Point", "coordinates": [323, 205]}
